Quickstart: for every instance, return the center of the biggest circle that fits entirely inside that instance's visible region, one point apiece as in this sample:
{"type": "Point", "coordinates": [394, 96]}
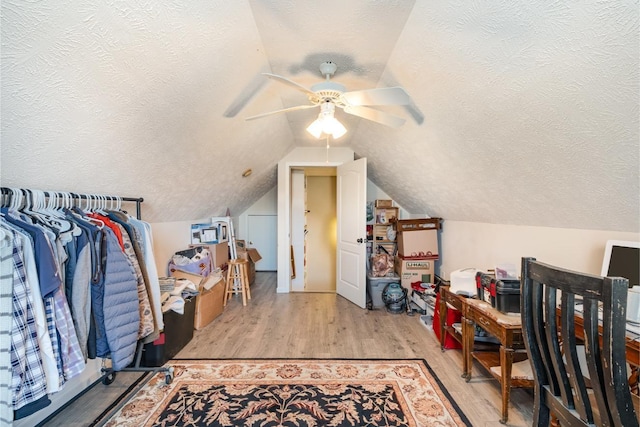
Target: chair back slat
{"type": "Point", "coordinates": [574, 370]}
{"type": "Point", "coordinates": [552, 346]}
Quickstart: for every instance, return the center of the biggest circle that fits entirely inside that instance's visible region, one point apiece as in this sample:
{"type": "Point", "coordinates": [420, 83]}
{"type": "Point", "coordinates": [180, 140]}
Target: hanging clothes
{"type": "Point", "coordinates": [144, 228]}
{"type": "Point", "coordinates": [144, 253]}
{"type": "Point", "coordinates": [115, 304]}
{"type": "Point", "coordinates": [6, 322]}
{"type": "Point", "coordinates": [28, 377]}
{"type": "Point", "coordinates": [76, 285]}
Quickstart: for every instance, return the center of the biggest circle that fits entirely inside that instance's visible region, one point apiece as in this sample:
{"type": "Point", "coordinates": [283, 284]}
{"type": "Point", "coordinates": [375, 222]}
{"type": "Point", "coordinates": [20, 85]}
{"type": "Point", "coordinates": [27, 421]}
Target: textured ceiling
{"type": "Point", "coordinates": [522, 112]}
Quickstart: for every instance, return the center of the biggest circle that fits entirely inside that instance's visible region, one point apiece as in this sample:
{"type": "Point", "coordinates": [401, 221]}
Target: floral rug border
{"type": "Point", "coordinates": [414, 390]}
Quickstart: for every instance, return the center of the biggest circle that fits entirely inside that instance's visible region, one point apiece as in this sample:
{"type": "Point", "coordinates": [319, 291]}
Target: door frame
{"type": "Point", "coordinates": [299, 157]}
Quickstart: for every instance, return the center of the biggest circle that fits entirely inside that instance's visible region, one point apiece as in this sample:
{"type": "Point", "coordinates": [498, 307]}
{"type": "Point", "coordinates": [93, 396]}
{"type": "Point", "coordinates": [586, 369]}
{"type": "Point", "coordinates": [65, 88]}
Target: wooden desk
{"type": "Point", "coordinates": [507, 329]}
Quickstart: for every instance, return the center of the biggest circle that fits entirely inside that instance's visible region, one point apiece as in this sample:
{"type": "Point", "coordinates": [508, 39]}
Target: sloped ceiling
{"type": "Point", "coordinates": [523, 112]}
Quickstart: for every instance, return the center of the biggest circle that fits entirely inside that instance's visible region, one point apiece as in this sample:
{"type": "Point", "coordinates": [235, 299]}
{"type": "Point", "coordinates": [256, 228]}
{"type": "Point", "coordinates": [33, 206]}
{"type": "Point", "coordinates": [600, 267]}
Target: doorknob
{"type": "Point", "coordinates": [361, 240]}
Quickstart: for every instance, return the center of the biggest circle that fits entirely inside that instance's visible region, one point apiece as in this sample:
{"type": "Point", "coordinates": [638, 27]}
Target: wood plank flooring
{"type": "Point", "coordinates": [317, 325]}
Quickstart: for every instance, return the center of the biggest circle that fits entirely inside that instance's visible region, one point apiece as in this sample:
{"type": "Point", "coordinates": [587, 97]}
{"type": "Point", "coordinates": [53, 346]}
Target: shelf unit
{"type": "Point", "coordinates": [383, 217]}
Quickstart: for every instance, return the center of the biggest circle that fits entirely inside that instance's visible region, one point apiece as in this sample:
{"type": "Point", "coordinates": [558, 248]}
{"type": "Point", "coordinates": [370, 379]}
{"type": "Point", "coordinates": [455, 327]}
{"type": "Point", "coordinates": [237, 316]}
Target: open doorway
{"type": "Point", "coordinates": [313, 228]}
{"type": "Point", "coordinates": [351, 188]}
{"type": "Point", "coordinates": [320, 230]}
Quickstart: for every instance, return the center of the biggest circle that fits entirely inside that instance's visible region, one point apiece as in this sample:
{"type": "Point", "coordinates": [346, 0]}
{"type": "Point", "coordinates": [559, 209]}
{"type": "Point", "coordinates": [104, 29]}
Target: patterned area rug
{"type": "Point", "coordinates": [293, 392]}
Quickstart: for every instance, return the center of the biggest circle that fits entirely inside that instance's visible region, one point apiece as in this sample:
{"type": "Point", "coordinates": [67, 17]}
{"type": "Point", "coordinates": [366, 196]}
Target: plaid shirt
{"type": "Point", "coordinates": [72, 358]}
{"type": "Point", "coordinates": [50, 313]}
{"type": "Point", "coordinates": [28, 378]}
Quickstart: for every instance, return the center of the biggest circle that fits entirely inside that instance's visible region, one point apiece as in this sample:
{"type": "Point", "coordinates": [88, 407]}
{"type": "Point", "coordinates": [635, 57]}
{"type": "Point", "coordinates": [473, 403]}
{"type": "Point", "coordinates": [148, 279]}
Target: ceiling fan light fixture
{"type": "Point", "coordinates": [326, 123]}
{"type": "Point", "coordinates": [315, 128]}
{"type": "Point", "coordinates": [332, 126]}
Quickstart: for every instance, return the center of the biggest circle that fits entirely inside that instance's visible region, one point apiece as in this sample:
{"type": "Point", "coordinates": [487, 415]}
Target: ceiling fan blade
{"type": "Point", "coordinates": [378, 96]}
{"type": "Point", "coordinates": [289, 83]}
{"type": "Point", "coordinates": [375, 115]}
{"type": "Point", "coordinates": [284, 110]}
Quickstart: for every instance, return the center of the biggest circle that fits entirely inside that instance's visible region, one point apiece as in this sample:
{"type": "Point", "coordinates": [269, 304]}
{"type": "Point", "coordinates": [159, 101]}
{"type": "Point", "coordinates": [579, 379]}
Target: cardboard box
{"type": "Point", "coordinates": [412, 270]}
{"type": "Point", "coordinates": [210, 301]}
{"type": "Point", "coordinates": [251, 255]}
{"type": "Point", "coordinates": [418, 244]}
{"type": "Point", "coordinates": [380, 203]}
{"type": "Point", "coordinates": [219, 254]}
{"type": "Point", "coordinates": [209, 304]}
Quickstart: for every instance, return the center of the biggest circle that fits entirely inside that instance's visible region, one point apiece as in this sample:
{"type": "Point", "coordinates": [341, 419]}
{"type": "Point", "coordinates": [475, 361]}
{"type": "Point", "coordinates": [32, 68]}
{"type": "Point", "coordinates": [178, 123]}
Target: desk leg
{"type": "Point", "coordinates": [443, 319]}
{"type": "Point", "coordinates": [467, 347]}
{"type": "Point", "coordinates": [506, 360]}
{"type": "Point", "coordinates": [464, 347]}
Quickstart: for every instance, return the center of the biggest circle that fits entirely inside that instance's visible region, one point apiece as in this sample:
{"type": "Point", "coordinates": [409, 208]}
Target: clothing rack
{"type": "Point", "coordinates": [108, 374]}
{"type": "Point", "coordinates": [8, 193]}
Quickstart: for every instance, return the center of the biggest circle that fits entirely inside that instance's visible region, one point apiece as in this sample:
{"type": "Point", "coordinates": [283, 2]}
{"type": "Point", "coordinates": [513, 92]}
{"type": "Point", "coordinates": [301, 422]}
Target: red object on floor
{"type": "Point", "coordinates": [453, 316]}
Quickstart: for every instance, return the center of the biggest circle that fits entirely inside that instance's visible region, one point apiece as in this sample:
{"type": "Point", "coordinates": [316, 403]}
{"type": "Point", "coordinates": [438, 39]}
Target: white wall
{"type": "Point", "coordinates": [480, 245]}
{"type": "Point", "coordinates": [266, 205]}
{"type": "Point", "coordinates": [374, 192]}
{"type": "Point", "coordinates": [168, 238]}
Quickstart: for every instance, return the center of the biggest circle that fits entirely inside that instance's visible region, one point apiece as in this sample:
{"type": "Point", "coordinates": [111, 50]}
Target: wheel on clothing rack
{"type": "Point", "coordinates": [168, 377]}
{"type": "Point", "coordinates": [109, 378]}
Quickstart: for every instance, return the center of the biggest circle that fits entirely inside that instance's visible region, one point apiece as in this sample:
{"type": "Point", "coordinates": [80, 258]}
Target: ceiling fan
{"type": "Point", "coordinates": [328, 95]}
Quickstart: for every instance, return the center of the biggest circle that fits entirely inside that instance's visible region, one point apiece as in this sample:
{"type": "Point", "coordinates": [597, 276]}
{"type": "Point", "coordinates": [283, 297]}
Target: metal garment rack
{"type": "Point", "coordinates": [108, 374]}
{"type": "Point", "coordinates": [28, 194]}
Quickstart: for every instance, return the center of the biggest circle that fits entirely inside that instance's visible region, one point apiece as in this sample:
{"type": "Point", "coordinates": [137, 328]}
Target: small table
{"type": "Point", "coordinates": [508, 330]}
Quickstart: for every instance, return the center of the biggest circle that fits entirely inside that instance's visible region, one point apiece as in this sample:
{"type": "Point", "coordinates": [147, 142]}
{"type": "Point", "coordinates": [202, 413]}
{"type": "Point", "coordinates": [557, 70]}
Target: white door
{"type": "Point", "coordinates": [352, 239]}
{"type": "Point", "coordinates": [262, 235]}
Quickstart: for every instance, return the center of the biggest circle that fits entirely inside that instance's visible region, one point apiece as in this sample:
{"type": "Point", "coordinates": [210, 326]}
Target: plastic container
{"type": "Point", "coordinates": [483, 283]}
{"type": "Point", "coordinates": [178, 331]}
{"type": "Point", "coordinates": [507, 296]}
{"type": "Point", "coordinates": [375, 286]}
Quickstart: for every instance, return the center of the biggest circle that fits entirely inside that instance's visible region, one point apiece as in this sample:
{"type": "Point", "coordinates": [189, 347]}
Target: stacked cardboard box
{"type": "Point", "coordinates": [414, 270]}
{"type": "Point", "coordinates": [417, 250]}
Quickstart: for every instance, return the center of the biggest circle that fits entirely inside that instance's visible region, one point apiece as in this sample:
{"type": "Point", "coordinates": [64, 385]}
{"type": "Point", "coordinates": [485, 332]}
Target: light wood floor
{"type": "Point", "coordinates": [316, 325]}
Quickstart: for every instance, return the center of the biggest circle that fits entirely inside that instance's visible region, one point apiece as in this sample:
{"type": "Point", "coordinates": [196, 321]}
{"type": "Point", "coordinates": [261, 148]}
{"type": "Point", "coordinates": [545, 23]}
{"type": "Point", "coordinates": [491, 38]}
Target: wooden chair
{"type": "Point", "coordinates": [560, 388]}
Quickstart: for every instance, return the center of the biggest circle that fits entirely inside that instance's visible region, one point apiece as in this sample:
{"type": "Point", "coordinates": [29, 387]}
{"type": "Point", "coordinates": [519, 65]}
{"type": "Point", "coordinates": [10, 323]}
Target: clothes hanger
{"type": "Point", "coordinates": [92, 204]}
{"type": "Point", "coordinates": [54, 210]}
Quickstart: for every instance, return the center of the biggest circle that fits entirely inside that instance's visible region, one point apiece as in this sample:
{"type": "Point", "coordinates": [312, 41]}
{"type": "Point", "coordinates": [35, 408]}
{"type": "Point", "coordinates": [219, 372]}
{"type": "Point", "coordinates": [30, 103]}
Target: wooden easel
{"type": "Point", "coordinates": [233, 251]}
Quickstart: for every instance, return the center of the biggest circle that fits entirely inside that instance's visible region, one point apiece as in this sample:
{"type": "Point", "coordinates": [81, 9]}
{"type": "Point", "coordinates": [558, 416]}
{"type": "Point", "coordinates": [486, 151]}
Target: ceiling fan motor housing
{"type": "Point", "coordinates": [328, 68]}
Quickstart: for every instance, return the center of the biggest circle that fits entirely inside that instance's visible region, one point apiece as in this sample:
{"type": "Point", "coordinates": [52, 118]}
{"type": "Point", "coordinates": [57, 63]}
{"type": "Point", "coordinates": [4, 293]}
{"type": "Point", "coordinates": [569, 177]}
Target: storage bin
{"type": "Point", "coordinates": [195, 260]}
{"type": "Point", "coordinates": [375, 286]}
{"type": "Point", "coordinates": [507, 296]}
{"type": "Point", "coordinates": [483, 286]}
{"type": "Point", "coordinates": [178, 331]}
{"type": "Point", "coordinates": [453, 316]}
